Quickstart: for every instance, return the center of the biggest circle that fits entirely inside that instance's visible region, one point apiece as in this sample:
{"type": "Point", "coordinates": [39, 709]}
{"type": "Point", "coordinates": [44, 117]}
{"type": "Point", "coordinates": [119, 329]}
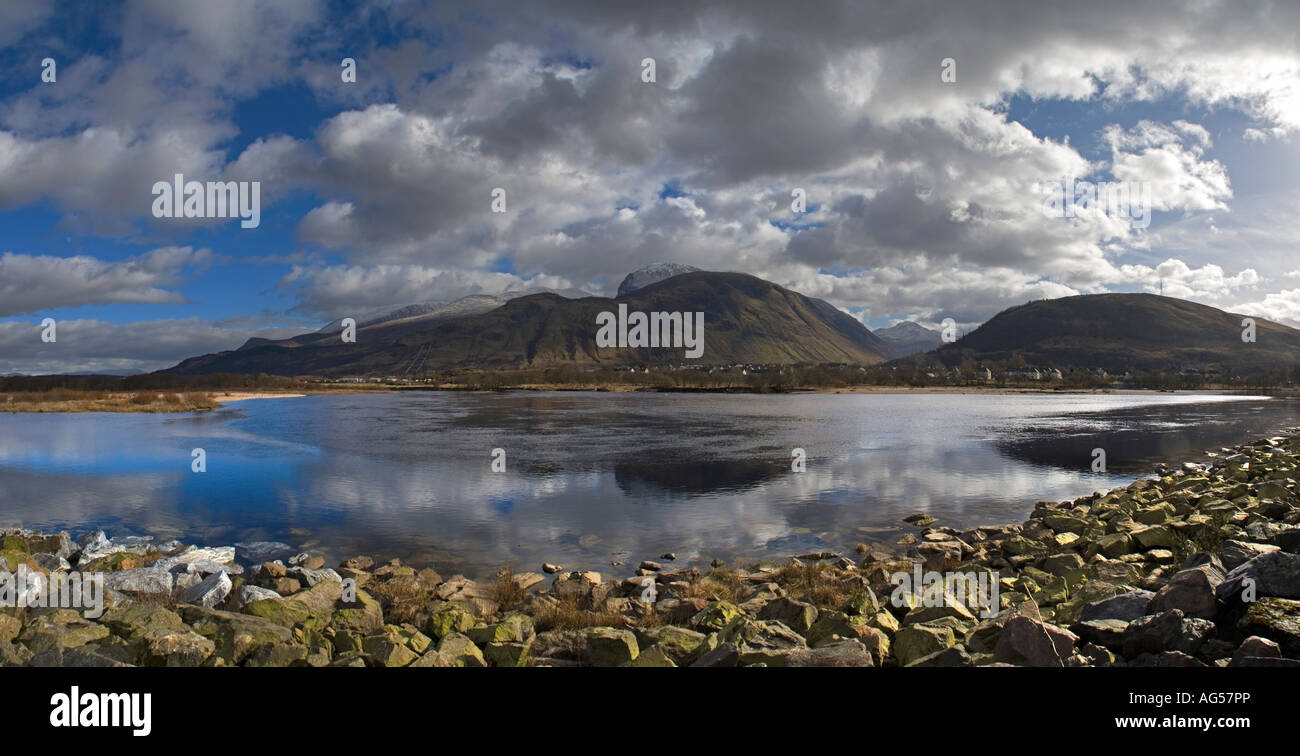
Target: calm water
{"type": "Point", "coordinates": [593, 478]}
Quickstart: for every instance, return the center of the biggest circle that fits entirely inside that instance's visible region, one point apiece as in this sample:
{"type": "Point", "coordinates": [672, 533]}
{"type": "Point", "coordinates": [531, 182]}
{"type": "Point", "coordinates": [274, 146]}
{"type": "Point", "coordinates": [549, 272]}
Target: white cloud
{"type": "Point", "coordinates": [30, 284]}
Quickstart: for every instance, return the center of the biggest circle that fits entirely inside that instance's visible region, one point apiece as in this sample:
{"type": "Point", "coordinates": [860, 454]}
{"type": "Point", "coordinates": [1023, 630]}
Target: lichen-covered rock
{"type": "Point", "coordinates": [796, 615]}
{"type": "Point", "coordinates": [715, 617]}
{"type": "Point", "coordinates": [610, 647]}
{"type": "Point", "coordinates": [235, 635]}
{"type": "Point", "coordinates": [1276, 619]}
{"type": "Point", "coordinates": [920, 640]}
{"type": "Point", "coordinates": [451, 617]}
{"type": "Point", "coordinates": [63, 628]}
{"type": "Point", "coordinates": [458, 650]}
{"type": "Point", "coordinates": [507, 654]}
{"type": "Point", "coordinates": [514, 628]}
{"type": "Point", "coordinates": [363, 616]}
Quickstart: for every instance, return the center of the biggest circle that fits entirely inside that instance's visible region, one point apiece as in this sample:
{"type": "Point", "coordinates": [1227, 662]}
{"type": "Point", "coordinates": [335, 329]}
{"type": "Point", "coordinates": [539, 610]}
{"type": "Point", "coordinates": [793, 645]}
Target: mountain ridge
{"type": "Point", "coordinates": [747, 320]}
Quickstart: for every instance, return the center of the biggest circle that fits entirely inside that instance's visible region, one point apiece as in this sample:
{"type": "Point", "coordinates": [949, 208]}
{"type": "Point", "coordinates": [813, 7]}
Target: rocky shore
{"type": "Point", "coordinates": [1198, 567]}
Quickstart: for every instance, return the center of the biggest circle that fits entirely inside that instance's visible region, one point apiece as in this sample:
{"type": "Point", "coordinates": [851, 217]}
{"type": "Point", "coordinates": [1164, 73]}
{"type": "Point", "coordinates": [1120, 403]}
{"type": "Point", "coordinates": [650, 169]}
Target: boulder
{"type": "Point", "coordinates": [1274, 574]}
{"type": "Point", "coordinates": [210, 592]}
{"type": "Point", "coordinates": [1258, 647]}
{"type": "Point", "coordinates": [796, 615]}
{"type": "Point", "coordinates": [458, 650]}
{"type": "Point", "coordinates": [151, 580]}
{"type": "Point", "coordinates": [1276, 619]}
{"type": "Point", "coordinates": [918, 641]}
{"type": "Point", "coordinates": [1028, 642]}
{"type": "Point", "coordinates": [845, 653]}
{"type": "Point", "coordinates": [1167, 631]}
{"type": "Point", "coordinates": [610, 647]}
{"type": "Point", "coordinates": [1192, 591]}
{"type": "Point", "coordinates": [1125, 606]}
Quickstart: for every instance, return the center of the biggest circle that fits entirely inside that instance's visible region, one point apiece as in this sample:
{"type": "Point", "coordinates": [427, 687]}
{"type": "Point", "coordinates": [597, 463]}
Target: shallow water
{"type": "Point", "coordinates": [594, 477]}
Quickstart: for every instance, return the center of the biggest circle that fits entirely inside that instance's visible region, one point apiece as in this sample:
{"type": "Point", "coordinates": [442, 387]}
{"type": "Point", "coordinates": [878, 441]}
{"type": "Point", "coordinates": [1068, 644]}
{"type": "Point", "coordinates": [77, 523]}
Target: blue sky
{"type": "Point", "coordinates": [923, 195]}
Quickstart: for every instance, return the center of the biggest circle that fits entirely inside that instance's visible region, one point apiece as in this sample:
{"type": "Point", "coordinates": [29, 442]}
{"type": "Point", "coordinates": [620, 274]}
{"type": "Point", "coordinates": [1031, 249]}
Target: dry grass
{"type": "Point", "coordinates": [817, 583]}
{"type": "Point", "coordinates": [506, 591]}
{"type": "Point", "coordinates": [402, 598]}
{"type": "Point", "coordinates": [66, 400]}
{"type": "Point", "coordinates": [569, 615]}
{"type": "Point", "coordinates": [721, 584]}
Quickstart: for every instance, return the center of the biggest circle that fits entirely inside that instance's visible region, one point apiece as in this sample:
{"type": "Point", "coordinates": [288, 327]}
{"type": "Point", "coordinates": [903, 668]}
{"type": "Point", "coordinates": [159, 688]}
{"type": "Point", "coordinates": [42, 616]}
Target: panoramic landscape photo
{"type": "Point", "coordinates": [569, 334]}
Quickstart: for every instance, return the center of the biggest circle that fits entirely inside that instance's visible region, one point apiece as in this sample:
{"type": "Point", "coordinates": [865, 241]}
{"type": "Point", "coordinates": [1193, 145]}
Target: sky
{"type": "Point", "coordinates": [923, 135]}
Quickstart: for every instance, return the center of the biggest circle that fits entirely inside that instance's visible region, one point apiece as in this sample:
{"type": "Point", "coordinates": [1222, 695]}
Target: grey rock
{"type": "Point", "coordinates": [140, 580]}
{"type": "Point", "coordinates": [1192, 591]}
{"type": "Point", "coordinates": [310, 578]}
{"type": "Point", "coordinates": [1106, 632]}
{"type": "Point", "coordinates": [247, 594]}
{"type": "Point", "coordinates": [1255, 646]}
{"type": "Point", "coordinates": [210, 592]}
{"type": "Point", "coordinates": [51, 562]}
{"type": "Point", "coordinates": [81, 656]}
{"type": "Point", "coordinates": [725, 655]}
{"type": "Point", "coordinates": [845, 653]}
{"type": "Point", "coordinates": [95, 540]}
{"type": "Point", "coordinates": [1125, 606]}
{"type": "Point", "coordinates": [953, 656]}
{"type": "Point", "coordinates": [1238, 552]}
{"type": "Point", "coordinates": [1027, 642]}
{"type": "Point", "coordinates": [1274, 574]}
{"type": "Point", "coordinates": [1167, 631]}
{"type": "Point", "coordinates": [1288, 540]}
{"type": "Point", "coordinates": [209, 567]}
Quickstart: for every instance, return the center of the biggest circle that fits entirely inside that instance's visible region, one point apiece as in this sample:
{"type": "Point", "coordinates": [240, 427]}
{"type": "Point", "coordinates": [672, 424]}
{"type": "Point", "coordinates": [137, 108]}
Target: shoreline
{"type": "Point", "coordinates": [200, 401]}
{"type": "Point", "coordinates": [240, 396]}
{"type": "Point", "coordinates": [1200, 567]}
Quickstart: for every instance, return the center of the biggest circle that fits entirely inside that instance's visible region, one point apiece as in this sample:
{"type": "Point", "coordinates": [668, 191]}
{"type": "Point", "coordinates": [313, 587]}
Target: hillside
{"type": "Point", "coordinates": [909, 338]}
{"type": "Point", "coordinates": [747, 320]}
{"type": "Point", "coordinates": [1127, 332]}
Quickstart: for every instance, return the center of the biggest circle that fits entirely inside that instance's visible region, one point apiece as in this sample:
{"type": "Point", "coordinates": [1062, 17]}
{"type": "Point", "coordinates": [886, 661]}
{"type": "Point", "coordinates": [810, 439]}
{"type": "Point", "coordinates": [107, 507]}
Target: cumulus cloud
{"type": "Point", "coordinates": [1180, 280]}
{"type": "Point", "coordinates": [1279, 306]}
{"type": "Point", "coordinates": [341, 290]}
{"type": "Point", "coordinates": [30, 284]}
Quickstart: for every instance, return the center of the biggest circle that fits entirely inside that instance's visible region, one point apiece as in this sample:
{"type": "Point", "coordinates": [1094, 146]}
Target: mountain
{"type": "Point", "coordinates": [746, 320]}
{"type": "Point", "coordinates": [411, 315]}
{"type": "Point", "coordinates": [1127, 332]}
{"type": "Point", "coordinates": [908, 338]}
{"type": "Point", "coordinates": [639, 279]}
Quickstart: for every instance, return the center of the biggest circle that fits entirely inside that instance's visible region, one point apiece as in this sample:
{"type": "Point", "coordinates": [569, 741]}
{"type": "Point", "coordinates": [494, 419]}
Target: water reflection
{"type": "Point", "coordinates": [593, 478]}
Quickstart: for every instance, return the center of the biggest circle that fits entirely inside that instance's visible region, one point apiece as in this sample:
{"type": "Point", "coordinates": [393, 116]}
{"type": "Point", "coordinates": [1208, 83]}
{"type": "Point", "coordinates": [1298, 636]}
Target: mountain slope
{"type": "Point", "coordinates": [909, 338]}
{"type": "Point", "coordinates": [1121, 332]}
{"type": "Point", "coordinates": [746, 320]}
